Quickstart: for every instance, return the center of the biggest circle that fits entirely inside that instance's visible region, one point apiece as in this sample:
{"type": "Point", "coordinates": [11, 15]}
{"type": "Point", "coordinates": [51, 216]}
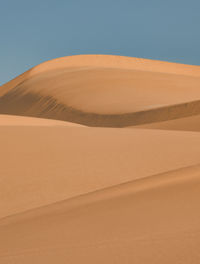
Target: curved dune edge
{"type": "Point", "coordinates": [108, 61]}
{"type": "Point", "coordinates": [34, 105]}
{"type": "Point", "coordinates": [166, 179]}
{"type": "Point", "coordinates": [115, 61]}
{"type": "Point", "coordinates": [133, 221]}
{"type": "Point", "coordinates": [22, 96]}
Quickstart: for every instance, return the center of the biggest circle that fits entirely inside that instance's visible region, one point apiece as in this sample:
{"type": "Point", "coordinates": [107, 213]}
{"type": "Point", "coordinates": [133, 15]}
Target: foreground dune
{"type": "Point", "coordinates": [102, 90]}
{"type": "Point", "coordinates": [154, 220]}
{"type": "Point", "coordinates": [41, 165]}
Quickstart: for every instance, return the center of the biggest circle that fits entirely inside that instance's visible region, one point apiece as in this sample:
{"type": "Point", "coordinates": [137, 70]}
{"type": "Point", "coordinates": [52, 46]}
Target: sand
{"type": "Point", "coordinates": [18, 121]}
{"type": "Point", "coordinates": [100, 162]}
{"type": "Point", "coordinates": [104, 91]}
{"type": "Point", "coordinates": [52, 164]}
{"type": "Point", "coordinates": [155, 220]}
{"type": "Point", "coordinates": [191, 123]}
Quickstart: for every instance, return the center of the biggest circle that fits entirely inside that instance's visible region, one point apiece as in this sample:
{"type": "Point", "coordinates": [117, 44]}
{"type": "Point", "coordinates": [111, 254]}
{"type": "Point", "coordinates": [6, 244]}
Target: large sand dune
{"type": "Point", "coordinates": [99, 90]}
{"type": "Point", "coordinates": [70, 193]}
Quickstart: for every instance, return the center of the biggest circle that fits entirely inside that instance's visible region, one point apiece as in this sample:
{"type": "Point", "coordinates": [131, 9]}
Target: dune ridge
{"type": "Point", "coordinates": [46, 107]}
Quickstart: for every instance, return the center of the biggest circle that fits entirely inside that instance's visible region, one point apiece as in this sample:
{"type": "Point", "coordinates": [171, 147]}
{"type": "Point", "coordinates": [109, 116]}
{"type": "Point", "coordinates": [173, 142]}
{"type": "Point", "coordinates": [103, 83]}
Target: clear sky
{"type": "Point", "coordinates": [33, 31]}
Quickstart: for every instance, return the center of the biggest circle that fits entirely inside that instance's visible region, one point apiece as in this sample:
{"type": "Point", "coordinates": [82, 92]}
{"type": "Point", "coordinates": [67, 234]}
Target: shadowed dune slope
{"type": "Point", "coordinates": [186, 124]}
{"type": "Point", "coordinates": [153, 220]}
{"type": "Point", "coordinates": [102, 90]}
{"type": "Point", "coordinates": [41, 165]}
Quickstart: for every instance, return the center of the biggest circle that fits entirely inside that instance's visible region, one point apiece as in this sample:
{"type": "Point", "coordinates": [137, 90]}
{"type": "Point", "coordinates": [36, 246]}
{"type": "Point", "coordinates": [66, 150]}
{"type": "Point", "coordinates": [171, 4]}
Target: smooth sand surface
{"type": "Point", "coordinates": [102, 90]}
{"type": "Point", "coordinates": [154, 220]}
{"type": "Point", "coordinates": [11, 120]}
{"type": "Point", "coordinates": [41, 165]}
{"type": "Point", "coordinates": [73, 193]}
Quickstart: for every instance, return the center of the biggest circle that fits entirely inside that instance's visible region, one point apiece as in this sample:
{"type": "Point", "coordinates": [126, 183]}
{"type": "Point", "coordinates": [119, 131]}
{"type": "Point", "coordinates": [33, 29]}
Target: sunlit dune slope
{"type": "Point", "coordinates": [102, 90]}
{"type": "Point", "coordinates": [42, 165]}
{"type": "Point", "coordinates": [153, 220]}
{"type": "Point", "coordinates": [12, 120]}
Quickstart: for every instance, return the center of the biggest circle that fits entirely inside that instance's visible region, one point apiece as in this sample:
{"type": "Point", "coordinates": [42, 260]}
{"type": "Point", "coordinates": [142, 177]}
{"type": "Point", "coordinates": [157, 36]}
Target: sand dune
{"type": "Point", "coordinates": [41, 165]}
{"type": "Point", "coordinates": [70, 193]}
{"type": "Point", "coordinates": [101, 90]}
{"type": "Point", "coordinates": [154, 220]}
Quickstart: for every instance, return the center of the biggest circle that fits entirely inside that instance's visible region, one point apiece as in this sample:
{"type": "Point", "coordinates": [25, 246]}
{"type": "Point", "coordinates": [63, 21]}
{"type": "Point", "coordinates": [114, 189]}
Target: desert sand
{"type": "Point", "coordinates": [106, 91]}
{"type": "Point", "coordinates": [100, 162]}
{"type": "Point", "coordinates": [191, 123]}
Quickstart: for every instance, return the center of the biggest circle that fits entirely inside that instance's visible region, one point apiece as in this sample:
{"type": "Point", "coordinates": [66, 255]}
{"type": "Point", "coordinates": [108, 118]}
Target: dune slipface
{"type": "Point", "coordinates": [100, 162]}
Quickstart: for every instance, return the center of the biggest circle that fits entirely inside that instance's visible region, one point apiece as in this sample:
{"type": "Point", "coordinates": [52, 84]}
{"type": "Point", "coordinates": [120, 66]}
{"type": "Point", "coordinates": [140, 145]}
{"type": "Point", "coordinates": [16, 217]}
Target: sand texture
{"type": "Point", "coordinates": [100, 162]}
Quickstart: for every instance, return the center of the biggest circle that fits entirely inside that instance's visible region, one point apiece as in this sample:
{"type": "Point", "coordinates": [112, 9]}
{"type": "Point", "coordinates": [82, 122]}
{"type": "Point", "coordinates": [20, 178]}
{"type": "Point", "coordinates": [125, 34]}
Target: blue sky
{"type": "Point", "coordinates": [33, 31]}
